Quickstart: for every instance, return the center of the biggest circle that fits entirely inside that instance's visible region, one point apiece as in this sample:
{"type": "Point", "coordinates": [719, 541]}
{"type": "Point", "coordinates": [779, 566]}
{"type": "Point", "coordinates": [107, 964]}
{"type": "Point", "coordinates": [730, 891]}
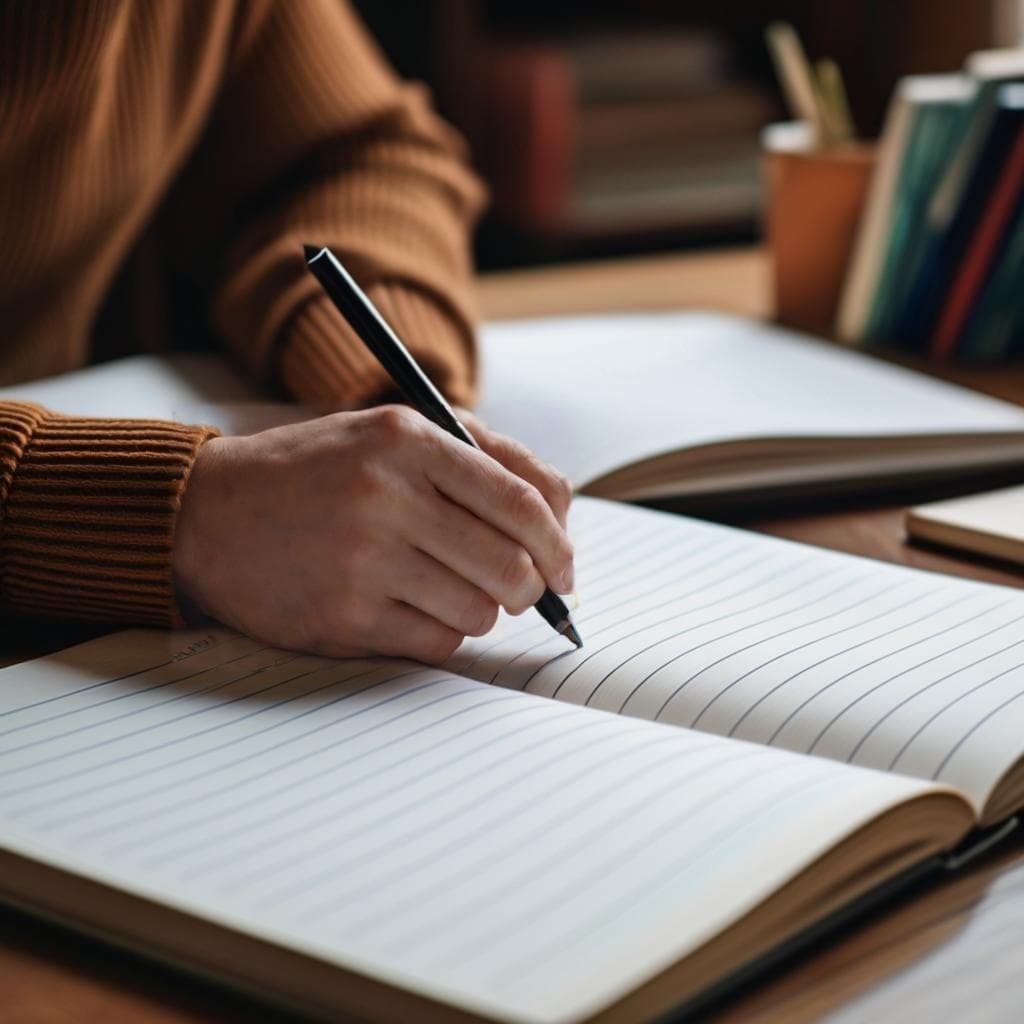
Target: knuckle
{"type": "Point", "coordinates": [523, 500]}
{"type": "Point", "coordinates": [395, 424]}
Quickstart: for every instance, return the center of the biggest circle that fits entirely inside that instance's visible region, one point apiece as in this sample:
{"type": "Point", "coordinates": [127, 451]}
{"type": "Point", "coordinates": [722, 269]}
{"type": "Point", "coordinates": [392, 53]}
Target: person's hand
{"type": "Point", "coordinates": [516, 457]}
{"type": "Point", "coordinates": [369, 533]}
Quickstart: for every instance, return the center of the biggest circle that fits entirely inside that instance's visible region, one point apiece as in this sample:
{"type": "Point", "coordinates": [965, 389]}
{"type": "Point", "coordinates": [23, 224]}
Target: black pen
{"type": "Point", "coordinates": [414, 384]}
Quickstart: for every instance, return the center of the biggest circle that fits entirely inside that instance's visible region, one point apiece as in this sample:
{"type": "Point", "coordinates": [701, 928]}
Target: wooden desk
{"type": "Point", "coordinates": [952, 953]}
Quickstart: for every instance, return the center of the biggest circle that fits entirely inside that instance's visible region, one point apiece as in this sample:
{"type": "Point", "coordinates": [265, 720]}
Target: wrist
{"type": "Point", "coordinates": [191, 533]}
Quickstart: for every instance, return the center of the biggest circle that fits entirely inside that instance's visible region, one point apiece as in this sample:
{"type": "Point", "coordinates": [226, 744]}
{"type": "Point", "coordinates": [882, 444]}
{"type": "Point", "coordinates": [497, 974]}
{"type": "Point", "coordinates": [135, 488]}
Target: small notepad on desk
{"type": "Point", "coordinates": [989, 524]}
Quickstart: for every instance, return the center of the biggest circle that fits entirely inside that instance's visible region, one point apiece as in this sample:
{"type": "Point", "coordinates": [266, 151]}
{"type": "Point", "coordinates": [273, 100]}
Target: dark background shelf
{"type": "Point", "coordinates": [874, 42]}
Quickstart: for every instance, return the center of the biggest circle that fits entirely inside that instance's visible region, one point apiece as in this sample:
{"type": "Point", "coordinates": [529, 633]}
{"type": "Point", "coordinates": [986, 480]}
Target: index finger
{"type": "Point", "coordinates": [518, 459]}
{"type": "Point", "coordinates": [480, 484]}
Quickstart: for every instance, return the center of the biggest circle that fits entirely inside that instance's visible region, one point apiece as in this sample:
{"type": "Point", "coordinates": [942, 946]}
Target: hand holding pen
{"type": "Point", "coordinates": [420, 393]}
{"type": "Point", "coordinates": [371, 532]}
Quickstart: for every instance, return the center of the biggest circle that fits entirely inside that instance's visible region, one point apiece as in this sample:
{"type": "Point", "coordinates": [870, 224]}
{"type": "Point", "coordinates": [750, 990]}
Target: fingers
{"type": "Point", "coordinates": [424, 583]}
{"type": "Point", "coordinates": [518, 459]}
{"type": "Point", "coordinates": [478, 553]}
{"type": "Point", "coordinates": [410, 633]}
{"type": "Point", "coordinates": [384, 535]}
{"type": "Point", "coordinates": [509, 504]}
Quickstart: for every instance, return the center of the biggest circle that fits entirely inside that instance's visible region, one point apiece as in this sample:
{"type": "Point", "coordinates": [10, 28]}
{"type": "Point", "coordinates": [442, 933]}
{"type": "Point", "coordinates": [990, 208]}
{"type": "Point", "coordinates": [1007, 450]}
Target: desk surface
{"type": "Point", "coordinates": [953, 952]}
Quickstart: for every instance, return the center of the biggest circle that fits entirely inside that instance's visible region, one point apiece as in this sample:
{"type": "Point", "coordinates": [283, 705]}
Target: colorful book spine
{"type": "Point", "coordinates": [952, 220]}
{"type": "Point", "coordinates": [906, 143]}
{"type": "Point", "coordinates": [928, 150]}
{"type": "Point", "coordinates": [982, 251]}
{"type": "Point", "coordinates": [865, 262]}
{"type": "Point", "coordinates": [953, 202]}
{"type": "Point", "coordinates": [995, 328]}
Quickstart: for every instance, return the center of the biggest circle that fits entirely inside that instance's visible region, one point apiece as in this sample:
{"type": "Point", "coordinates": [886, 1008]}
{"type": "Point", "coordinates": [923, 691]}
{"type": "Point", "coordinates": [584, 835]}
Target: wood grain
{"type": "Point", "coordinates": [50, 976]}
{"type": "Point", "coordinates": [879, 533]}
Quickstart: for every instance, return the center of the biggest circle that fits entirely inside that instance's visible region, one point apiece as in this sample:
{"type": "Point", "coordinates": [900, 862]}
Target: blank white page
{"type": "Point", "coordinates": [525, 859]}
{"type": "Point", "coordinates": [185, 388]}
{"type": "Point", "coordinates": [779, 643]}
{"type": "Point", "coordinates": [595, 393]}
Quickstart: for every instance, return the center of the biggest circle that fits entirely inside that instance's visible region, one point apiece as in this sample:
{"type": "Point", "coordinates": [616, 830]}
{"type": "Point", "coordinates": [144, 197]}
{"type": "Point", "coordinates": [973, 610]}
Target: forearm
{"type": "Point", "coordinates": [315, 141]}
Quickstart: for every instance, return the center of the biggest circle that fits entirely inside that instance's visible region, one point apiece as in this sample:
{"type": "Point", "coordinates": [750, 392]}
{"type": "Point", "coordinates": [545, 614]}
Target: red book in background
{"type": "Point", "coordinates": [527, 146]}
{"type": "Point", "coordinates": [981, 252]}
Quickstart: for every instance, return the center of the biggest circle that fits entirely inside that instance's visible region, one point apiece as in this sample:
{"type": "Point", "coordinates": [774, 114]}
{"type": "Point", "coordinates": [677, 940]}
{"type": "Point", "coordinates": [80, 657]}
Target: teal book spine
{"type": "Point", "coordinates": [963, 174]}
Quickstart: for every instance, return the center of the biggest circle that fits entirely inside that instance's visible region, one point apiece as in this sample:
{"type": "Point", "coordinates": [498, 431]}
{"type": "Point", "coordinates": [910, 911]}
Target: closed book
{"type": "Point", "coordinates": [670, 127]}
{"type": "Point", "coordinates": [709, 184]}
{"type": "Point", "coordinates": [526, 144]}
{"type": "Point", "coordinates": [995, 328]}
{"type": "Point", "coordinates": [668, 62]}
{"type": "Point", "coordinates": [990, 524]}
{"type": "Point", "coordinates": [905, 143]}
{"type": "Point", "coordinates": [934, 126]}
{"type": "Point", "coordinates": [979, 144]}
{"type": "Point", "coordinates": [564, 162]}
{"type": "Point", "coordinates": [983, 248]}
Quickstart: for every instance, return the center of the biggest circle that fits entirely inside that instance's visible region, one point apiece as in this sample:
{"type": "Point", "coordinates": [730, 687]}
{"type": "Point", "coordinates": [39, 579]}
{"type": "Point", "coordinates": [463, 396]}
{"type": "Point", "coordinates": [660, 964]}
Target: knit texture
{"type": "Point", "coordinates": [89, 513]}
{"type": "Point", "coordinates": [233, 131]}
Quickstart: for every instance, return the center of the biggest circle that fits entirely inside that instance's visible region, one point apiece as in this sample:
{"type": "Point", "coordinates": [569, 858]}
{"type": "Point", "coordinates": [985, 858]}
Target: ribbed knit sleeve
{"type": "Point", "coordinates": [313, 140]}
{"type": "Point", "coordinates": [87, 514]}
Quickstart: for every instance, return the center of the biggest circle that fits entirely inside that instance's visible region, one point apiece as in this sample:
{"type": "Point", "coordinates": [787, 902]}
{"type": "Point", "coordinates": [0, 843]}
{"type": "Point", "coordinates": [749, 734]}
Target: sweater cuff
{"type": "Point", "coordinates": [88, 526]}
{"type": "Point", "coordinates": [323, 360]}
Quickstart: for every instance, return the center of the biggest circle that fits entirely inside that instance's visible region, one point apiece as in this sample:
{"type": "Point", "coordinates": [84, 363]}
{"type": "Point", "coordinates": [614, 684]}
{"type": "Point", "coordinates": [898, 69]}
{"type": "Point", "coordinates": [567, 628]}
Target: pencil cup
{"type": "Point", "coordinates": [813, 202]}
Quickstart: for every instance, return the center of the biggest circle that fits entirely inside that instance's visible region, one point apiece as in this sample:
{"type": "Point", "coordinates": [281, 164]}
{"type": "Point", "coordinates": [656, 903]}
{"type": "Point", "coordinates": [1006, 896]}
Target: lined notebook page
{"type": "Point", "coordinates": [526, 859]}
{"type": "Point", "coordinates": [747, 636]}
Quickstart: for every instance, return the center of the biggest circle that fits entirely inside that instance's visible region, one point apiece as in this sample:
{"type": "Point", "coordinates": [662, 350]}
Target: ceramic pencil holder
{"type": "Point", "coordinates": [812, 206]}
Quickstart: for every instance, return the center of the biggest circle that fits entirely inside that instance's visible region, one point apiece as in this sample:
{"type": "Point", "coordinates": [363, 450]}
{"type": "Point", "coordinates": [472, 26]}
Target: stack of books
{"type": "Point", "coordinates": [600, 133]}
{"type": "Point", "coordinates": [939, 259]}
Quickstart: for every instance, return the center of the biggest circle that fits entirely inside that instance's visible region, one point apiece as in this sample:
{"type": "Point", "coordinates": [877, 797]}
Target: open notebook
{"type": "Point", "coordinates": [704, 408]}
{"type": "Point", "coordinates": [707, 407]}
{"type": "Point", "coordinates": [755, 735]}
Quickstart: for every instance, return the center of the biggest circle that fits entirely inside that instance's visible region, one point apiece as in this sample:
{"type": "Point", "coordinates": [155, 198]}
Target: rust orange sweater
{"type": "Point", "coordinates": [224, 134]}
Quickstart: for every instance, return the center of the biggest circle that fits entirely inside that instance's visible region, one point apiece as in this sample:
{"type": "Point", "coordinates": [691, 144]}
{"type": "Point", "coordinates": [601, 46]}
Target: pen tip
{"type": "Point", "coordinates": [311, 251]}
{"type": "Point", "coordinates": [570, 632]}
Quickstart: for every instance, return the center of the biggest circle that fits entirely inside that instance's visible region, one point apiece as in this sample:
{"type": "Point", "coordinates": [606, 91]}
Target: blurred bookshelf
{"type": "Point", "coordinates": [605, 128]}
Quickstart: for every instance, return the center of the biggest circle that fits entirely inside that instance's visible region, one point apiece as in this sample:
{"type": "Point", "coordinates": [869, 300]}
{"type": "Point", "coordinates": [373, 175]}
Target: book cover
{"type": "Point", "coordinates": [903, 141]}
{"type": "Point", "coordinates": [967, 174]}
{"type": "Point", "coordinates": [927, 150]}
{"type": "Point", "coordinates": [995, 327]}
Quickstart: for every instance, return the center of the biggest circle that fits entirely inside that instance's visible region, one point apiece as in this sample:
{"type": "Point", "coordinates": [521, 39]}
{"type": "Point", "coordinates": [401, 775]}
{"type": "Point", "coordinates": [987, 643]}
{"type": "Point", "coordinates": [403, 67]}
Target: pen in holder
{"type": "Point", "coordinates": [813, 200]}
